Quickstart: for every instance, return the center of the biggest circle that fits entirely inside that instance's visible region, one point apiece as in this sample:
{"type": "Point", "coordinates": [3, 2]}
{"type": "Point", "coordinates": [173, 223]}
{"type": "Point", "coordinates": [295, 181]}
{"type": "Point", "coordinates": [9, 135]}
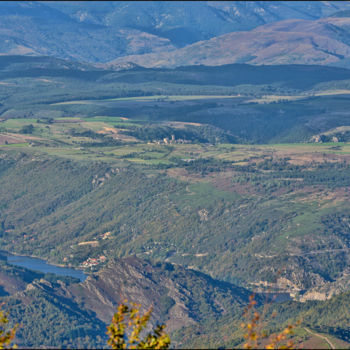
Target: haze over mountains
{"type": "Point", "coordinates": [324, 41]}
{"type": "Point", "coordinates": [172, 33]}
{"type": "Point", "coordinates": [183, 155]}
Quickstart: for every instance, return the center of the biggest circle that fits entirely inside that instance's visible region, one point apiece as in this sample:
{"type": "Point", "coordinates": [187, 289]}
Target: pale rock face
{"type": "Point", "coordinates": [313, 296]}
{"type": "Point", "coordinates": [327, 290]}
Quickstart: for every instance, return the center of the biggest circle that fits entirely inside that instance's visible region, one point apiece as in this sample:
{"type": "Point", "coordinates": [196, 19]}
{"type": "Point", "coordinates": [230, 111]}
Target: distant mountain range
{"type": "Point", "coordinates": [100, 32]}
{"type": "Point", "coordinates": [325, 41]}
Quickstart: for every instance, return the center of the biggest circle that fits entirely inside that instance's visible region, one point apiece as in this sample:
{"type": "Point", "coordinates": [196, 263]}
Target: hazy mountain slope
{"type": "Point", "coordinates": [186, 22]}
{"type": "Point", "coordinates": [295, 76]}
{"type": "Point", "coordinates": [325, 41]}
{"type": "Point", "coordinates": [102, 31]}
{"type": "Point", "coordinates": [36, 29]}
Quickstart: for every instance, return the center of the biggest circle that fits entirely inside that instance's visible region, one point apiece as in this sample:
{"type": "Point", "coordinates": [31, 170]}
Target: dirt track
{"type": "Point", "coordinates": [322, 337]}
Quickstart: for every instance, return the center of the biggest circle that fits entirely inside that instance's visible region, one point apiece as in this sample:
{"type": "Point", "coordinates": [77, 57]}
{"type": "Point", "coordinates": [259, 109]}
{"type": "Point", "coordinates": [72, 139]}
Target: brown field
{"type": "Point", "coordinates": [312, 341]}
{"type": "Point", "coordinates": [304, 156]}
{"type": "Point", "coordinates": [328, 198]}
{"type": "Point", "coordinates": [183, 175]}
{"type": "Point", "coordinates": [8, 138]}
{"type": "Point", "coordinates": [181, 125]}
{"type": "Point", "coordinates": [115, 133]}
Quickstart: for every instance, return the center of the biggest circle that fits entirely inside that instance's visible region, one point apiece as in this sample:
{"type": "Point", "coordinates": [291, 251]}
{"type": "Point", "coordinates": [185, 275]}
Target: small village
{"type": "Point", "coordinates": [89, 262]}
{"type": "Point", "coordinates": [169, 141]}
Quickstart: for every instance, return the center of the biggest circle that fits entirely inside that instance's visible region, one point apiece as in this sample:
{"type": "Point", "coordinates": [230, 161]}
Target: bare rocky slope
{"type": "Point", "coordinates": [179, 297]}
{"type": "Point", "coordinates": [122, 28]}
{"type": "Point", "coordinates": [293, 41]}
{"type": "Point", "coordinates": [198, 311]}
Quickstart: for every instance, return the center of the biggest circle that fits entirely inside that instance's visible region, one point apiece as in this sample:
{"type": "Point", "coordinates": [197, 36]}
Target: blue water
{"type": "Point", "coordinates": [42, 266]}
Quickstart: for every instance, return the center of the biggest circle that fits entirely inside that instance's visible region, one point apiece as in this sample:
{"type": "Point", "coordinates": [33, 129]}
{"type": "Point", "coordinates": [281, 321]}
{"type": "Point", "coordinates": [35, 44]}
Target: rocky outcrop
{"type": "Point", "coordinates": [179, 297]}
{"type": "Point", "coordinates": [172, 291]}
{"type": "Point", "coordinates": [328, 290]}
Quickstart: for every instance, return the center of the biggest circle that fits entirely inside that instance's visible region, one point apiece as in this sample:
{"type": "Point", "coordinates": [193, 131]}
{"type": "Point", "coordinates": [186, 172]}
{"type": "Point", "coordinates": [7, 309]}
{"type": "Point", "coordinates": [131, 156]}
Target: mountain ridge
{"type": "Point", "coordinates": [126, 28]}
{"type": "Point", "coordinates": [179, 298]}
{"type": "Point", "coordinates": [324, 41]}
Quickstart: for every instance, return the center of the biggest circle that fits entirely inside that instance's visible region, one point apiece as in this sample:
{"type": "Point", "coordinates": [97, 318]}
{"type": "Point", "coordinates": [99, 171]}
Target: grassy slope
{"type": "Point", "coordinates": [237, 212]}
{"type": "Point", "coordinates": [40, 88]}
{"type": "Point", "coordinates": [328, 319]}
{"type": "Point", "coordinates": [209, 214]}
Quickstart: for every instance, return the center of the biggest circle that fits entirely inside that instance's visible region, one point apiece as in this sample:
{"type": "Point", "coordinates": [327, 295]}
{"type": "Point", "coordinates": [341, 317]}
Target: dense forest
{"type": "Point", "coordinates": [190, 187]}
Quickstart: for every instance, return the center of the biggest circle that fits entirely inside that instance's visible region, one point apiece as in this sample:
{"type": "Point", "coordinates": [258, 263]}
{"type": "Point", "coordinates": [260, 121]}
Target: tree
{"type": "Point", "coordinates": [126, 327]}
{"type": "Point", "coordinates": [6, 334]}
{"type": "Point", "coordinates": [27, 129]}
{"type": "Point", "coordinates": [255, 333]}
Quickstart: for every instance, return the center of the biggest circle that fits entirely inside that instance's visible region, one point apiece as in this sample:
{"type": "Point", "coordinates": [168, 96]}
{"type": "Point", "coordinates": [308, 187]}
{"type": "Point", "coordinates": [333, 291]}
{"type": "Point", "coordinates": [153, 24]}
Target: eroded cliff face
{"type": "Point", "coordinates": [123, 279]}
{"type": "Point", "coordinates": [327, 290]}
{"type": "Point", "coordinates": [177, 295]}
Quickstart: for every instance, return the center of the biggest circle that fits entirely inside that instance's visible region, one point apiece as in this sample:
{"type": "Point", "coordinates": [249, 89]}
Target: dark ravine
{"type": "Point", "coordinates": [187, 301]}
{"type": "Point", "coordinates": [158, 284]}
{"type": "Point", "coordinates": [179, 297]}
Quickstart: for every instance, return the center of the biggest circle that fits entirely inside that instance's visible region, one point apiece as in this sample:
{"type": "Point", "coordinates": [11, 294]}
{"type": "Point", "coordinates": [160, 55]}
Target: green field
{"type": "Point", "coordinates": [142, 153]}
{"type": "Point", "coordinates": [215, 169]}
{"type": "Point", "coordinates": [150, 98]}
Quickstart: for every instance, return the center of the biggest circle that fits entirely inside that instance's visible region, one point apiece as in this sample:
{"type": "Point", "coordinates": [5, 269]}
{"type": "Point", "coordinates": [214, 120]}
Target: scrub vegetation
{"type": "Point", "coordinates": [240, 176]}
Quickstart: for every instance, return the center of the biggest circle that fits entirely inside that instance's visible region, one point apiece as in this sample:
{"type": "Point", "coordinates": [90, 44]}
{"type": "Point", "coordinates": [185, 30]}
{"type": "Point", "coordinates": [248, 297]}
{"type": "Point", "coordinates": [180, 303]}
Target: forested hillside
{"type": "Point", "coordinates": [186, 188]}
{"type": "Point", "coordinates": [79, 312]}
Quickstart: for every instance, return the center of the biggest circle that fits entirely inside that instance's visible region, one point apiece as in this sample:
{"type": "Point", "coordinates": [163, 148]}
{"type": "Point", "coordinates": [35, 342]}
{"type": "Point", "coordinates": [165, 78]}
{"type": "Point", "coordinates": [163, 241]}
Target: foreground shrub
{"type": "Point", "coordinates": [126, 327]}
{"type": "Point", "coordinates": [6, 335]}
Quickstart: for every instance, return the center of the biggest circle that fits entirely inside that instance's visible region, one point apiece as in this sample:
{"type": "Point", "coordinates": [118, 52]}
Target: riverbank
{"type": "Point", "coordinates": [40, 265]}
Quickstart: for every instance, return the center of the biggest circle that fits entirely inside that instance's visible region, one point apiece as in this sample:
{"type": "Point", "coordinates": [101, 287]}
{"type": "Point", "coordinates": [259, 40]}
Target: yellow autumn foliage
{"type": "Point", "coordinates": [126, 327]}
{"type": "Point", "coordinates": [255, 334]}
{"type": "Point", "coordinates": [6, 335]}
